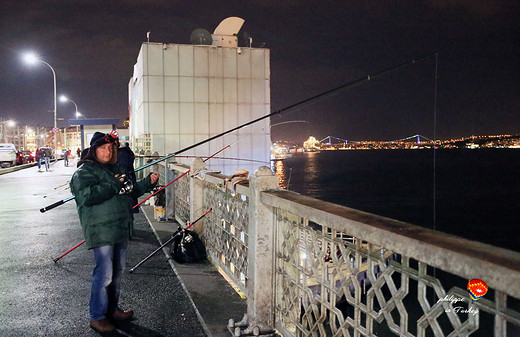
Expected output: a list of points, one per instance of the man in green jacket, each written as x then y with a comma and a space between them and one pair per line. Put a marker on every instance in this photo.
103, 198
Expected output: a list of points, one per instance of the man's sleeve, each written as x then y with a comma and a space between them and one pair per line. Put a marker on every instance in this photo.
89, 190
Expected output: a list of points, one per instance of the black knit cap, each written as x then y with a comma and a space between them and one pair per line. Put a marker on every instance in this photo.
99, 138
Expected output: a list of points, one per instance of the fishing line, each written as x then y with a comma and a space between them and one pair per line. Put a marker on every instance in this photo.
434, 144
289, 180
434, 219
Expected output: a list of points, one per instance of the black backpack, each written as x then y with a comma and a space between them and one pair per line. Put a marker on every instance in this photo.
187, 247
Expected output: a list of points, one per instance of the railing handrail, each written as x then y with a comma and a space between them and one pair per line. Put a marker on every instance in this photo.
499, 267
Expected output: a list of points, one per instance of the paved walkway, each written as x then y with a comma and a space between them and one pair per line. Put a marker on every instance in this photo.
41, 298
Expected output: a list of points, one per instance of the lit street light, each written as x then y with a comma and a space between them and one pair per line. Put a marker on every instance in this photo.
3, 128
32, 59
64, 98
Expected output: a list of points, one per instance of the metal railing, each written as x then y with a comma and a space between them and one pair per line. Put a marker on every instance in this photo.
313, 268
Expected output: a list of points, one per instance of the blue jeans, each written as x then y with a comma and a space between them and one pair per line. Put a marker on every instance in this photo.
47, 161
106, 280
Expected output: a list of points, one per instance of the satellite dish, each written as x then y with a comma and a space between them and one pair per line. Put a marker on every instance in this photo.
201, 36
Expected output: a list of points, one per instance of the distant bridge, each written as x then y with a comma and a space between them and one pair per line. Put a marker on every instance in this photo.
418, 139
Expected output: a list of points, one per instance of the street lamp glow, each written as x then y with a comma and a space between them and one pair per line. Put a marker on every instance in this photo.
31, 58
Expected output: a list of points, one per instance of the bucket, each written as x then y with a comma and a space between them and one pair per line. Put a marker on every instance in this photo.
159, 213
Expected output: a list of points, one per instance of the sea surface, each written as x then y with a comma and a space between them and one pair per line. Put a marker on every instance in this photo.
472, 193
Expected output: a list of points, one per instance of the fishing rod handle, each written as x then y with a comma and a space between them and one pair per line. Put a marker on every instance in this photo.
56, 204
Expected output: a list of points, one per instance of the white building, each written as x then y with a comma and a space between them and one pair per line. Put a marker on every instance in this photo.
183, 94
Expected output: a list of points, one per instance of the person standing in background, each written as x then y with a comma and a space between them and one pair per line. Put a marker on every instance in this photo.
39, 158
47, 157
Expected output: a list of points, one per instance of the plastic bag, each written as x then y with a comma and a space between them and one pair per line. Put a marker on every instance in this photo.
187, 247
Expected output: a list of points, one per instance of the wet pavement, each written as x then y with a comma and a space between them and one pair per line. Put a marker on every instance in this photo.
39, 297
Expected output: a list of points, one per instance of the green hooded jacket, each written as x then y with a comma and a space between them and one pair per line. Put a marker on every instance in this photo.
105, 215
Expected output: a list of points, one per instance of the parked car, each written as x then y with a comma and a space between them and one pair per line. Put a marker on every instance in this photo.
24, 157
7, 154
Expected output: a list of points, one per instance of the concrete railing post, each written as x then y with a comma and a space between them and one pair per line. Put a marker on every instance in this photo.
196, 195
261, 251
169, 175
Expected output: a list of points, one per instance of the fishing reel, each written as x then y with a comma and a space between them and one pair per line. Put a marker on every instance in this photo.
157, 188
128, 185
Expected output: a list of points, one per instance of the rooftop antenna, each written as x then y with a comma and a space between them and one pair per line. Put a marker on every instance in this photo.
200, 36
148, 36
248, 39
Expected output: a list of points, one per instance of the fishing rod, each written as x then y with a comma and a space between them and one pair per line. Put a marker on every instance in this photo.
315, 97
321, 95
182, 175
58, 191
59, 186
159, 190
225, 158
181, 230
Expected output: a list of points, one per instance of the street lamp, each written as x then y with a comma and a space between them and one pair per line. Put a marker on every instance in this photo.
32, 59
3, 128
64, 98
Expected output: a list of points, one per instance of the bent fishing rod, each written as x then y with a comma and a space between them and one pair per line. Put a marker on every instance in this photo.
277, 112
156, 192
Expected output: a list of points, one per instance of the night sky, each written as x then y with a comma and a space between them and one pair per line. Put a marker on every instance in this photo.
315, 46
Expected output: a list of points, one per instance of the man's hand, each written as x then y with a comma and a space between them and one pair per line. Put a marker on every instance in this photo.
154, 177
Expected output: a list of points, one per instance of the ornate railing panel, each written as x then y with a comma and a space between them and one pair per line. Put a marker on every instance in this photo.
227, 227
181, 195
332, 282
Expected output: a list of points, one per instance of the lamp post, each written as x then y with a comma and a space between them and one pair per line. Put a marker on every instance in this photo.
32, 59
64, 98
3, 129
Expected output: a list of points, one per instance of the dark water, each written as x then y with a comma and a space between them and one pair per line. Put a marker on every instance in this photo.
469, 193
